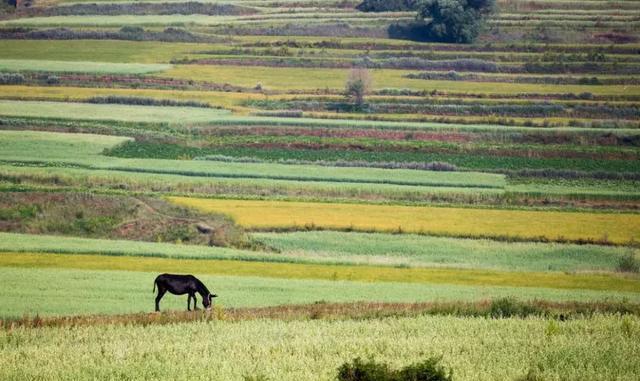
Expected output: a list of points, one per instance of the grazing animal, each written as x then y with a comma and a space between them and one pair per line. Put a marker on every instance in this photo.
180, 285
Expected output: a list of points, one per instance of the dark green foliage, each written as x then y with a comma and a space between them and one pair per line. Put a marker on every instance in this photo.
428, 370
11, 78
115, 99
552, 167
140, 8
360, 370
387, 5
455, 20
19, 212
510, 307
628, 263
132, 33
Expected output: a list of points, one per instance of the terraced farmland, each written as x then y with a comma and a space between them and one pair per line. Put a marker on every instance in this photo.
351, 178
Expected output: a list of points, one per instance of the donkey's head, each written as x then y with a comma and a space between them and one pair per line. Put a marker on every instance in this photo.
207, 301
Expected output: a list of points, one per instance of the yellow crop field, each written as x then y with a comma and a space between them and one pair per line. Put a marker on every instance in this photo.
295, 78
63, 93
553, 225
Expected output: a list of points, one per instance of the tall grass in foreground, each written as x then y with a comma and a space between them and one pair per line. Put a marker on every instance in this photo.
476, 348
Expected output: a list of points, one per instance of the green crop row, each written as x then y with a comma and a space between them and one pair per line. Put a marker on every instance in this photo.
351, 248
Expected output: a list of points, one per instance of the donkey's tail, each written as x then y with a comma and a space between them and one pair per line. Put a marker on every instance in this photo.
154, 285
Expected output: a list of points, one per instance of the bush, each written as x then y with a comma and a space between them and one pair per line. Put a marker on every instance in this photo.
387, 6
628, 263
142, 101
428, 370
358, 85
508, 307
361, 370
11, 79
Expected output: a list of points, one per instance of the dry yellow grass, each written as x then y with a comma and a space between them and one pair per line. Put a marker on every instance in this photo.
553, 225
215, 98
296, 78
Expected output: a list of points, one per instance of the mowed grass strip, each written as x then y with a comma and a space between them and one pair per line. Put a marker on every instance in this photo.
80, 67
617, 228
600, 282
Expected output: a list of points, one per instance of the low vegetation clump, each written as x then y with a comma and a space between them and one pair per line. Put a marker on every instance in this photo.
629, 263
370, 370
141, 101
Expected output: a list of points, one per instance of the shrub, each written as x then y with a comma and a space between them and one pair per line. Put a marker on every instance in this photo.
11, 78
52, 80
387, 6
142, 101
508, 307
258, 377
428, 370
628, 263
358, 85
360, 370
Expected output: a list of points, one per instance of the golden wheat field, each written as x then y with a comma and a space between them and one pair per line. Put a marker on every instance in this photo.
552, 225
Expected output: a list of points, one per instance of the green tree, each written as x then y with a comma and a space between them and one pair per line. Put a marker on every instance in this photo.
455, 20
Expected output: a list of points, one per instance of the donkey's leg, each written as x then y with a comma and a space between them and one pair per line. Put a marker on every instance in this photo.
161, 292
195, 302
189, 302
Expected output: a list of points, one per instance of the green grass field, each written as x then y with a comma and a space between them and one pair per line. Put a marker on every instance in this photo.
80, 67
414, 250
351, 248
83, 292
128, 113
18, 146
141, 52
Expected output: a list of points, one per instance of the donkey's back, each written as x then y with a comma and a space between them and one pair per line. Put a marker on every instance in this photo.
176, 284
